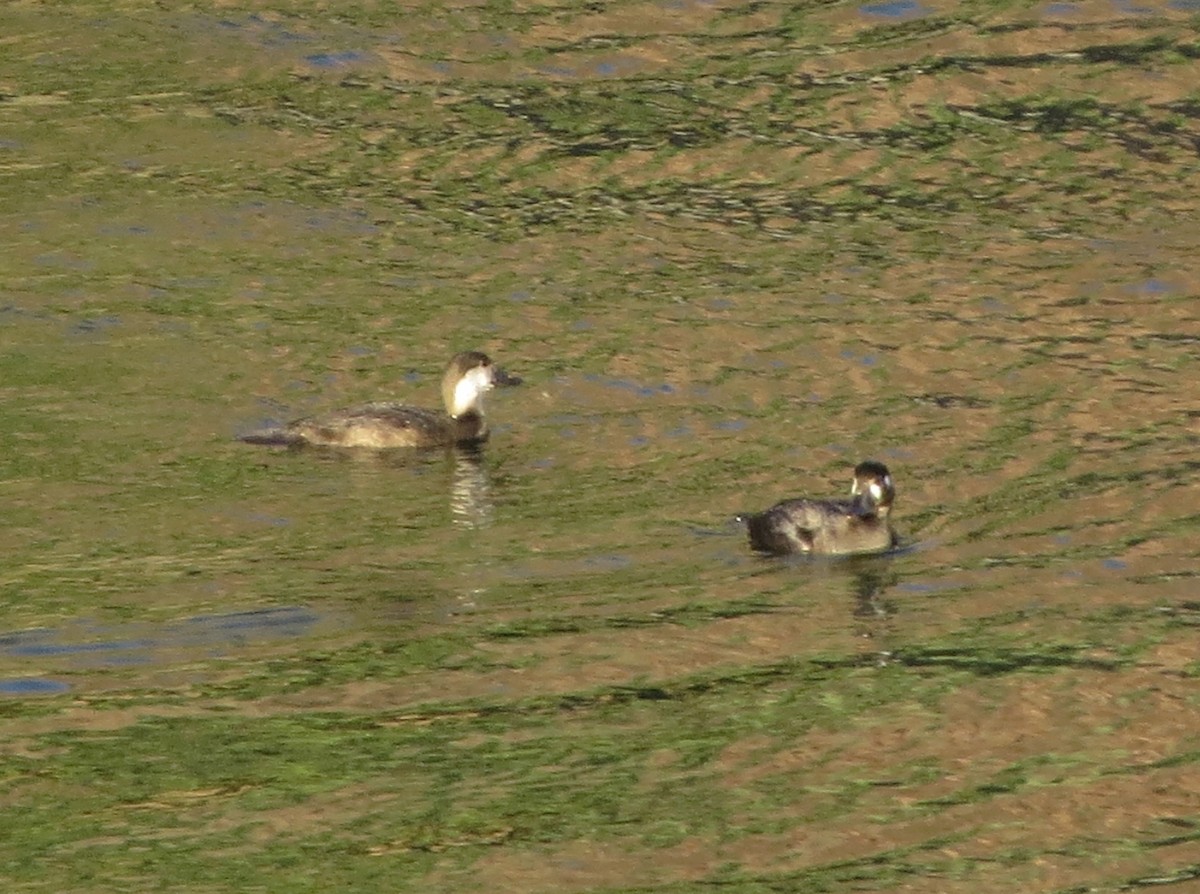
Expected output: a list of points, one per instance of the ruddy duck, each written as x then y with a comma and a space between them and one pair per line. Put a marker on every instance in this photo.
830, 527
385, 424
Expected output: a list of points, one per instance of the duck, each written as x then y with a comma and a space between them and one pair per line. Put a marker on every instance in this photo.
384, 425
830, 527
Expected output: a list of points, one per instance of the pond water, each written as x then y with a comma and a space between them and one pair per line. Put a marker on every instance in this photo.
732, 250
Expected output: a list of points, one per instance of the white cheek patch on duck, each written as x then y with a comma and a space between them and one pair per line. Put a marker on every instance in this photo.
469, 390
876, 491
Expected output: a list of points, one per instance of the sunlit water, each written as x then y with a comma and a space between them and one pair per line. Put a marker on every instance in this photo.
716, 299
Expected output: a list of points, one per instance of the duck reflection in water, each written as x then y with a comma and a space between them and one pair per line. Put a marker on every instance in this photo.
470, 491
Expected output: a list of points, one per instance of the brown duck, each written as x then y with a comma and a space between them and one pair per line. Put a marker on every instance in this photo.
383, 425
830, 527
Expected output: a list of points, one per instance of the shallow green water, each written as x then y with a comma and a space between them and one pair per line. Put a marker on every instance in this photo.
732, 251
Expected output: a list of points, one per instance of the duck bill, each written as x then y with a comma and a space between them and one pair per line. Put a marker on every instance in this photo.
502, 378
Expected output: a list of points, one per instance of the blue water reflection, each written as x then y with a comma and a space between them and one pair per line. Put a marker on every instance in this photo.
32, 686
86, 645
897, 9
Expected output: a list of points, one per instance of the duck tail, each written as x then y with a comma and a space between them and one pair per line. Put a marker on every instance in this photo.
759, 531
272, 437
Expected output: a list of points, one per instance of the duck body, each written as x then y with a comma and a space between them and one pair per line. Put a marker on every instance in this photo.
830, 527
384, 425
381, 425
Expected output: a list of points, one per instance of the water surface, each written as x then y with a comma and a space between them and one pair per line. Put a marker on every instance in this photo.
732, 250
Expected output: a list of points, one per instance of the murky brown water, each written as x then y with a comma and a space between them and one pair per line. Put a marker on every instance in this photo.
732, 251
